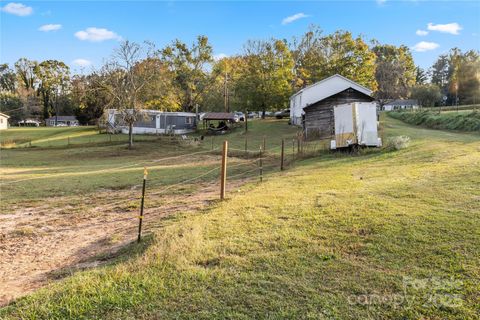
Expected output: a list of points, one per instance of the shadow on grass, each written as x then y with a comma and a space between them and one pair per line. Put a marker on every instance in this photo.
110, 255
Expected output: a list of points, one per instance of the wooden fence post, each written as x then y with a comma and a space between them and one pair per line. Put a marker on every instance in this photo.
282, 154
264, 143
140, 217
293, 149
223, 175
261, 165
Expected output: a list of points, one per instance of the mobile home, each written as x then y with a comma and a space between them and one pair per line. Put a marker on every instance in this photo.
155, 122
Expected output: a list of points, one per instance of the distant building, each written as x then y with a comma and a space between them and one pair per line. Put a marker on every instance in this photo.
155, 122
401, 104
29, 123
62, 121
4, 121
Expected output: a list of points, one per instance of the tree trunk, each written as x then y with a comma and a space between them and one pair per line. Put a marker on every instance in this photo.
130, 135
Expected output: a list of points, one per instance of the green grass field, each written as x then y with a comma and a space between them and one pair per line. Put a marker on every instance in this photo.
91, 162
378, 235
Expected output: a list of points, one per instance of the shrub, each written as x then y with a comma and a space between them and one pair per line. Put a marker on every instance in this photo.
398, 143
464, 121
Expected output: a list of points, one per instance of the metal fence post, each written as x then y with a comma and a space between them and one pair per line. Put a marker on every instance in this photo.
140, 217
282, 154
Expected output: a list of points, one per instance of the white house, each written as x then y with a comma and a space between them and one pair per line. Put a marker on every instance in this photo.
401, 104
62, 121
3, 121
319, 91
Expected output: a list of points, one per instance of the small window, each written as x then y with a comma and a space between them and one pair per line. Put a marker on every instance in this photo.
1, 120
188, 120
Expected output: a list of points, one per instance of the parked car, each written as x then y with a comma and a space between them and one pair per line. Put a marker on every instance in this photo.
252, 115
239, 115
282, 114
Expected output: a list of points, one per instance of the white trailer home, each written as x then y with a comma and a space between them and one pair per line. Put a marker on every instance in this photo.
319, 91
155, 122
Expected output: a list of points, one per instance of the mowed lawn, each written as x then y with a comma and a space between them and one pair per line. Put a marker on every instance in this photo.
77, 161
379, 235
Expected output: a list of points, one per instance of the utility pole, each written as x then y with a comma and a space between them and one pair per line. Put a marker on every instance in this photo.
225, 93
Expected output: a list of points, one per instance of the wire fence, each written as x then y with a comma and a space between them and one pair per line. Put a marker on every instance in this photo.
243, 164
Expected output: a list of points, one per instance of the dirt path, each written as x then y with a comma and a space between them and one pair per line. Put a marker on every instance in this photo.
42, 243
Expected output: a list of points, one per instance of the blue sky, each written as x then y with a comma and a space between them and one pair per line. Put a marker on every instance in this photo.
85, 32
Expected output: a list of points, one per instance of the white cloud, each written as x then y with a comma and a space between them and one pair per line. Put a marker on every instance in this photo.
452, 28
381, 2
18, 9
295, 17
96, 34
421, 32
50, 27
82, 62
423, 46
219, 56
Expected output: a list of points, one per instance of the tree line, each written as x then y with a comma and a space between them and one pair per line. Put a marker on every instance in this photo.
182, 77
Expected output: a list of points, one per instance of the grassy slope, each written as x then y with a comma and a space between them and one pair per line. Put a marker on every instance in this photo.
462, 120
302, 243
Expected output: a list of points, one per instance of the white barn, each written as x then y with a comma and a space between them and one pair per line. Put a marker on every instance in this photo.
319, 91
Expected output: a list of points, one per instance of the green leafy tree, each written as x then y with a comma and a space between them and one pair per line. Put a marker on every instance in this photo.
420, 76
265, 81
427, 94
395, 71
8, 79
53, 83
188, 66
159, 92
349, 57
308, 58
224, 92
88, 97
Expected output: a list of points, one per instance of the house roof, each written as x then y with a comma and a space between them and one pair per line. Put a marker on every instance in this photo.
63, 118
328, 90
368, 97
4, 115
403, 102
218, 116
